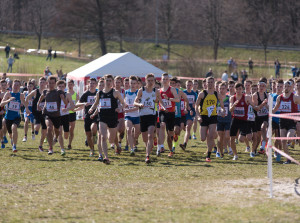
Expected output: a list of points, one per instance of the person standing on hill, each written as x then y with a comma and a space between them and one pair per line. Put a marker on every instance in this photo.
49, 56
277, 68
7, 50
10, 62
250, 63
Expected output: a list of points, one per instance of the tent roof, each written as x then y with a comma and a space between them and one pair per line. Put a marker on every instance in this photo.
122, 64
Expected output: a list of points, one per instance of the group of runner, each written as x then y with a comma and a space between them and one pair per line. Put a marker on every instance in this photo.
114, 107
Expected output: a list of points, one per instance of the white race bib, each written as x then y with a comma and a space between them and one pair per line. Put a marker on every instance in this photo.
191, 99
91, 100
167, 103
14, 106
210, 110
51, 106
182, 105
219, 109
42, 104
105, 103
263, 112
30, 103
285, 106
239, 111
148, 104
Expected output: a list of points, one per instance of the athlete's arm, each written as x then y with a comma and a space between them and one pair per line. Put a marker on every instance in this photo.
118, 96
96, 103
7, 98
31, 95
138, 98
25, 103
176, 97
232, 104
70, 101
297, 99
200, 97
40, 100
158, 97
92, 116
63, 98
277, 105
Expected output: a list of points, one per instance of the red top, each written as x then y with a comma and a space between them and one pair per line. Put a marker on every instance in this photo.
241, 109
287, 105
169, 105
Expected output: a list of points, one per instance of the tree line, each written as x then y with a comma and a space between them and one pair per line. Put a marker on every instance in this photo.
262, 22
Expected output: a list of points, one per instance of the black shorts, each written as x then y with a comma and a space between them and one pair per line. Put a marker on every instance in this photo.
55, 120
177, 121
168, 118
252, 126
241, 125
275, 125
9, 123
146, 121
110, 121
88, 122
223, 126
39, 119
259, 121
287, 124
183, 120
64, 121
72, 117
206, 121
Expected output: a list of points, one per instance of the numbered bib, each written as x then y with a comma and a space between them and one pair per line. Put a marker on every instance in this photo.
148, 104
285, 106
42, 104
167, 103
219, 111
62, 106
91, 100
263, 112
239, 111
30, 103
51, 106
210, 110
182, 105
191, 99
251, 117
14, 106
105, 103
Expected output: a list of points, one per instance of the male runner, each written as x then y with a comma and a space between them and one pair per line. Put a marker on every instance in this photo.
29, 118
195, 123
2, 111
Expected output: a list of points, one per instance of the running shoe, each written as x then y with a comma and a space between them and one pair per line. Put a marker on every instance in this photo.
171, 154
230, 153
106, 161
100, 158
183, 146
222, 156
194, 137
41, 149
126, 148
33, 136
207, 160
275, 154
247, 150
158, 152
235, 157
135, 149
132, 152
215, 149
62, 152
69, 147
278, 158
5, 140
118, 151
147, 160
14, 149
24, 139
162, 150
50, 152
218, 155
86, 143
2, 145
112, 146
54, 140
292, 145
261, 151
252, 154
287, 162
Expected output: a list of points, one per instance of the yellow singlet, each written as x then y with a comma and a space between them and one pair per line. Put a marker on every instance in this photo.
209, 104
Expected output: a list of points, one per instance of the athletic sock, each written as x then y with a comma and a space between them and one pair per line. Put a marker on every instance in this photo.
25, 135
208, 154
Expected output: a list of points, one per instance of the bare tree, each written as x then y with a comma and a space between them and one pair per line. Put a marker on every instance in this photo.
293, 14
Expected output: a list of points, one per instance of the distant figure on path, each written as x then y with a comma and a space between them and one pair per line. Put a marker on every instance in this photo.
250, 63
49, 54
10, 62
7, 50
277, 68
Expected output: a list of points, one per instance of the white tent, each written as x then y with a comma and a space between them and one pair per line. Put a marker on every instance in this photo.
117, 64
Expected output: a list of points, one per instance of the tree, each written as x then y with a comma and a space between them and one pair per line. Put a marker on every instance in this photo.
293, 14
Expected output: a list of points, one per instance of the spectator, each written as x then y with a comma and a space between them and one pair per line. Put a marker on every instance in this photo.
49, 54
235, 76
294, 70
209, 73
230, 64
54, 55
277, 68
4, 76
47, 72
244, 75
10, 62
16, 56
250, 63
7, 50
225, 76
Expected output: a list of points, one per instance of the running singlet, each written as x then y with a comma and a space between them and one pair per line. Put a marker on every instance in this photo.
241, 109
13, 107
177, 107
35, 111
74, 97
148, 100
62, 106
89, 98
53, 101
209, 104
227, 117
108, 103
287, 105
264, 111
129, 99
169, 105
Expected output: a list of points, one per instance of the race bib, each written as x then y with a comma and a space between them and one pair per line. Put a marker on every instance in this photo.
14, 106
105, 103
210, 110
182, 105
263, 112
129, 102
30, 103
51, 106
239, 111
191, 99
42, 104
148, 104
285, 106
251, 117
219, 111
167, 103
91, 100
62, 106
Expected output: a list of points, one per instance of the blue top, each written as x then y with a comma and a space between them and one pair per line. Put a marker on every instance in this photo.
275, 119
177, 107
227, 117
13, 107
192, 98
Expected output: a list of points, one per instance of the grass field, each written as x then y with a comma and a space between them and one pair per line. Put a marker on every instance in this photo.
35, 187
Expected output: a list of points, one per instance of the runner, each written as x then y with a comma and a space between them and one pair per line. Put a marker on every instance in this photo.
192, 98
167, 114
108, 115
287, 103
29, 118
2, 111
13, 101
195, 122
145, 100
90, 125
251, 117
39, 118
72, 114
207, 100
